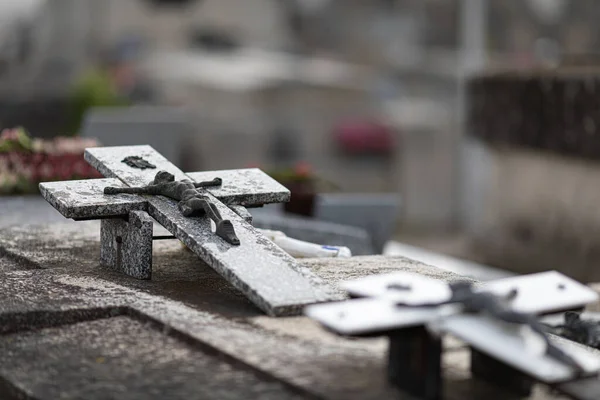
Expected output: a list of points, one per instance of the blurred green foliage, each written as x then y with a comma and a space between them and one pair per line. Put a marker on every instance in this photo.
15, 140
94, 89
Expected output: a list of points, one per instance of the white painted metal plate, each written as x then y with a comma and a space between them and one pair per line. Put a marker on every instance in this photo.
368, 316
400, 287
543, 293
503, 342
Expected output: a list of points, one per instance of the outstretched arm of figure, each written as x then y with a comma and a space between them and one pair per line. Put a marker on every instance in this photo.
551, 349
150, 189
214, 182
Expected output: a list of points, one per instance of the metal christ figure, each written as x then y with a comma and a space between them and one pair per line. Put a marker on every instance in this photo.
499, 307
584, 331
192, 202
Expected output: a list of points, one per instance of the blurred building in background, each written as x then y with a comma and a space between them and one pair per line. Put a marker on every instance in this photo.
370, 93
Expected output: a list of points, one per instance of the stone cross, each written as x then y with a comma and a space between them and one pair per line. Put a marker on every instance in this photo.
264, 273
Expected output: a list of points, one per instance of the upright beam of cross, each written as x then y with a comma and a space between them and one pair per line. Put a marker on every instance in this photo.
264, 273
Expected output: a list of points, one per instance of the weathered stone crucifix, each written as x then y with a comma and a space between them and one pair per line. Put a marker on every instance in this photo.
184, 204
192, 201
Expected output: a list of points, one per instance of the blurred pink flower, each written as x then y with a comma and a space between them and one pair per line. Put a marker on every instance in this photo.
60, 158
303, 169
9, 134
68, 145
80, 168
8, 180
3, 163
46, 171
24, 170
38, 145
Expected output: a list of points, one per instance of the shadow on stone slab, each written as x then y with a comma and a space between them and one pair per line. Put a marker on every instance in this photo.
74, 248
121, 353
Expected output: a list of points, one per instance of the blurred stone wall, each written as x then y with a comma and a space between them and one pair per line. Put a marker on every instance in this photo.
516, 25
539, 195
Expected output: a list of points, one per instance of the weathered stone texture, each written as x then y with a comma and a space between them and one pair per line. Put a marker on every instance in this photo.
71, 328
86, 199
246, 187
289, 287
126, 245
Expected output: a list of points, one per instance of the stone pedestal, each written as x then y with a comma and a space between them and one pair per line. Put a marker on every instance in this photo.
126, 245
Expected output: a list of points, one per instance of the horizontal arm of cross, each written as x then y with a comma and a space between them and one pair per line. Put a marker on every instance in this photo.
87, 199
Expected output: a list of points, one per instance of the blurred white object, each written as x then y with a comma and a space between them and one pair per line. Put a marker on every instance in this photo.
549, 11
300, 249
15, 16
11, 9
459, 266
16, 12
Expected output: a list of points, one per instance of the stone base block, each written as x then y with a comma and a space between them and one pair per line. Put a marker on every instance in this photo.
126, 245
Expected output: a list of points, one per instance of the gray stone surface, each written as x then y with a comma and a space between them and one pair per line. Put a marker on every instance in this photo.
246, 187
70, 328
85, 199
289, 286
107, 349
126, 245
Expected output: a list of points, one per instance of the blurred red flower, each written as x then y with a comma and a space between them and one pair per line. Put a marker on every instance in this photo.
303, 169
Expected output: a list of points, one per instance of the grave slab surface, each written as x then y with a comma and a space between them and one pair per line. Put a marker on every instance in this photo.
121, 358
70, 328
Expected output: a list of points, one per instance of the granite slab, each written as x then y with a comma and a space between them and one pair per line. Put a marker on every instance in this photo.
81, 200
72, 329
174, 370
268, 276
247, 187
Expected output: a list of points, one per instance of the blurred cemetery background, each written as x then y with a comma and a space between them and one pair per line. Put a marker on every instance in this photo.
432, 128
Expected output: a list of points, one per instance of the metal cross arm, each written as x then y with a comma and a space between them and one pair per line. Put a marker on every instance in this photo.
268, 276
499, 321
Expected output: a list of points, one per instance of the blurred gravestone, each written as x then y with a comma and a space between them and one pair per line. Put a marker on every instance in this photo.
284, 146
375, 213
356, 239
163, 128
44, 116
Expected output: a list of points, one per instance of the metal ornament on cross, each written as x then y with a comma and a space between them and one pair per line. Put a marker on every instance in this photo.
142, 186
498, 320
